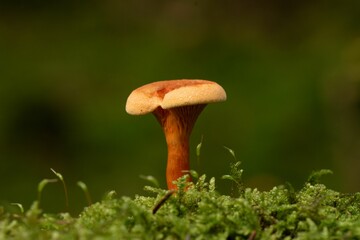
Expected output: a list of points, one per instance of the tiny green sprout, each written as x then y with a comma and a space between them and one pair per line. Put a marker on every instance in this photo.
198, 149
57, 174
291, 193
229, 177
41, 186
182, 184
150, 179
316, 175
232, 152
191, 173
235, 173
212, 184
20, 206
85, 189
34, 212
110, 195
64, 185
194, 174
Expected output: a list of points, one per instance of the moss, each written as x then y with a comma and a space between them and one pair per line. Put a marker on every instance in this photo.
198, 211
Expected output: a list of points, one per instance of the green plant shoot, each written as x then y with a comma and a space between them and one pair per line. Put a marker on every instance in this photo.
64, 185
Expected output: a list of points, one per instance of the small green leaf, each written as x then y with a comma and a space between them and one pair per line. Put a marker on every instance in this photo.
194, 174
85, 189
20, 206
41, 186
57, 174
64, 185
151, 179
82, 185
110, 195
316, 175
228, 177
198, 150
198, 147
44, 182
212, 184
231, 152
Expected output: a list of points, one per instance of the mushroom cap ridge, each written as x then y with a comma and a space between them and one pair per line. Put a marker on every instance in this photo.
173, 93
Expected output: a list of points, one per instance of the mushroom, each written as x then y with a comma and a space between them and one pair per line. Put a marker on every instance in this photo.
176, 105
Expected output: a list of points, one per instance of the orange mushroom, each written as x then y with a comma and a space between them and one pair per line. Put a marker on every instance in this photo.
176, 104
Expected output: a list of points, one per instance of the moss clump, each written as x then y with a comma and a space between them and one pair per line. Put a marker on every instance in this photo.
200, 212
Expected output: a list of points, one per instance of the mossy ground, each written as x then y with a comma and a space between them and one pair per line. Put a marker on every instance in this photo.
198, 211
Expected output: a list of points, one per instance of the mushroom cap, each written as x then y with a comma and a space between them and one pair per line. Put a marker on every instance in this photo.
173, 93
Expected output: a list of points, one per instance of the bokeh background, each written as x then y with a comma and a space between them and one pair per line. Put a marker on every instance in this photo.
291, 70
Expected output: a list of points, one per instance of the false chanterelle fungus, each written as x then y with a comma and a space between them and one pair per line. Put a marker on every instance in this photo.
176, 104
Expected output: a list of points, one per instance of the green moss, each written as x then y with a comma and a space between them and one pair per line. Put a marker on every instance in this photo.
200, 212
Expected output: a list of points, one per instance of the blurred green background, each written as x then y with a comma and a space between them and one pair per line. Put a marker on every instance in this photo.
291, 70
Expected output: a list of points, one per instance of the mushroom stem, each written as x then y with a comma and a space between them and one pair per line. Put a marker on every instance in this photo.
177, 124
